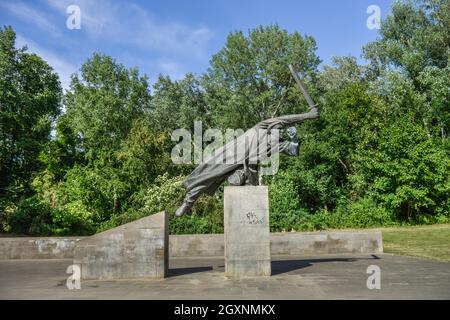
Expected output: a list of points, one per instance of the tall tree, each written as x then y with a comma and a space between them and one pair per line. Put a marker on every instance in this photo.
102, 104
415, 44
177, 104
108, 131
249, 80
30, 96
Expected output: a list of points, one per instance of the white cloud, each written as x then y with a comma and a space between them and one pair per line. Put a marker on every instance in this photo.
27, 13
130, 24
63, 68
171, 68
119, 25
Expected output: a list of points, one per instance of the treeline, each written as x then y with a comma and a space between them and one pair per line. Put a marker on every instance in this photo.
99, 155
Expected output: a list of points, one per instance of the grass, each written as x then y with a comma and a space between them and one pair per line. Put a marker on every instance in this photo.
431, 242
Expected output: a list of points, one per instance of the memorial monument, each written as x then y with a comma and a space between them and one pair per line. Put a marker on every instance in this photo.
238, 160
246, 205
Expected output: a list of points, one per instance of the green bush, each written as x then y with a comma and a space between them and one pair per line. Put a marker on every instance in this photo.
408, 171
194, 224
74, 218
166, 194
31, 216
362, 213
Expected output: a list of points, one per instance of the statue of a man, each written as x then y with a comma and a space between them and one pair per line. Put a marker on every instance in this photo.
238, 160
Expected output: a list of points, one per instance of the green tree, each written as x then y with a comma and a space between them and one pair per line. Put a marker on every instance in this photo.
105, 149
177, 104
320, 176
344, 71
407, 171
102, 105
144, 155
249, 80
30, 96
415, 42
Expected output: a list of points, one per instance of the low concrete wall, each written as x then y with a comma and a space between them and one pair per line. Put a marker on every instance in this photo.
305, 243
196, 245
286, 243
38, 248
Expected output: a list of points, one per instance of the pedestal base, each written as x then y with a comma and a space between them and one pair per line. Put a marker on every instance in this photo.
247, 234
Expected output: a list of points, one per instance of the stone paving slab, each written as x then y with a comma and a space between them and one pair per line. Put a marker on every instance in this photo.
319, 277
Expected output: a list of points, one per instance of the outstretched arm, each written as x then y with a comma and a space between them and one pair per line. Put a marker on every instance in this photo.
297, 118
293, 119
313, 111
290, 120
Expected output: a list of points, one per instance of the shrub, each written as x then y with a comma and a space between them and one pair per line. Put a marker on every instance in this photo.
31, 216
166, 194
74, 218
361, 213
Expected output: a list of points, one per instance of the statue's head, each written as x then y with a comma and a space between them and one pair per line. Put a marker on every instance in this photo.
292, 132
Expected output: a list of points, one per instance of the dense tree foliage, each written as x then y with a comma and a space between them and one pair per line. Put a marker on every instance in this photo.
249, 81
30, 97
379, 154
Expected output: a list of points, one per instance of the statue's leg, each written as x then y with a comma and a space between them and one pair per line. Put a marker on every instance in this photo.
247, 176
237, 178
208, 184
189, 200
252, 175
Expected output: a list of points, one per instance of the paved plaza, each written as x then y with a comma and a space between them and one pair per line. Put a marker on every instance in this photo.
320, 277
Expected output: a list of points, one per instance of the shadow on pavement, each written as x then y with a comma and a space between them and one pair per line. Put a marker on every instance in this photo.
184, 271
284, 266
278, 266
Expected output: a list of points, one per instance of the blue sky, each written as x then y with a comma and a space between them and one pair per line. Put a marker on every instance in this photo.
175, 37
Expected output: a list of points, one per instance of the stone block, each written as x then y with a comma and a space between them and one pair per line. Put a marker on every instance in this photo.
138, 249
247, 234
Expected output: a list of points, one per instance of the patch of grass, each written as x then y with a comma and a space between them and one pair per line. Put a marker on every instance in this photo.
431, 242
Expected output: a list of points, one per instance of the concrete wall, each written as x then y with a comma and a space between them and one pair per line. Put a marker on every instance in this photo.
289, 243
197, 245
135, 250
284, 243
305, 243
38, 248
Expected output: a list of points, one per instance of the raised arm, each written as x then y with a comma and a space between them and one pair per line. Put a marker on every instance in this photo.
297, 118
289, 120
313, 110
293, 119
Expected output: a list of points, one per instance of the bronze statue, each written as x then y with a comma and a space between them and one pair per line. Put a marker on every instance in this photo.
238, 160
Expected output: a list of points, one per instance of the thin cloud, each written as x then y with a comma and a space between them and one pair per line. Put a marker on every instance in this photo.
130, 24
27, 13
63, 68
171, 68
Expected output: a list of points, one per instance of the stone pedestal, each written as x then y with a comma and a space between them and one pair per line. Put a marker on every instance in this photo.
139, 249
247, 234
